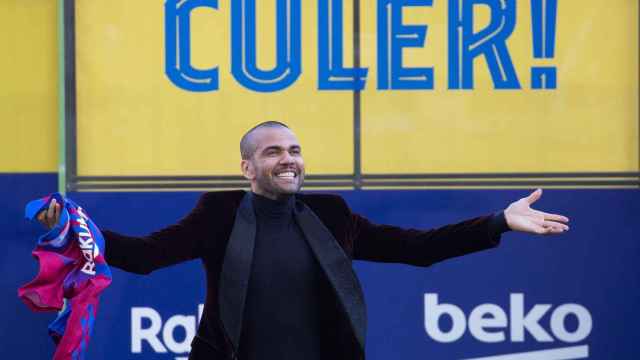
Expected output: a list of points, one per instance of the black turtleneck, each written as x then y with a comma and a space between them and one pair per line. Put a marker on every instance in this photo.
289, 311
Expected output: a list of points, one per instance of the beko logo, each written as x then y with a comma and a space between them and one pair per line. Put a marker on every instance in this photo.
489, 323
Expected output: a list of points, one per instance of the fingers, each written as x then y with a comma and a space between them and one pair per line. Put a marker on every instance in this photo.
50, 216
551, 227
58, 209
555, 225
547, 230
551, 231
554, 217
51, 210
545, 227
534, 196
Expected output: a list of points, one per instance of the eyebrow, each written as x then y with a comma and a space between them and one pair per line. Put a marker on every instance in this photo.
277, 147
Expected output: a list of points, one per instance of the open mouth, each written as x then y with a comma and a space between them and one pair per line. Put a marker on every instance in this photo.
287, 175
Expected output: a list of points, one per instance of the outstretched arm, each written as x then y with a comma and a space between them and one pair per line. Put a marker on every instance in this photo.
385, 243
173, 244
143, 254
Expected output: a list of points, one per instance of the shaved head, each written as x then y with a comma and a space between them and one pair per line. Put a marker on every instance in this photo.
247, 143
272, 160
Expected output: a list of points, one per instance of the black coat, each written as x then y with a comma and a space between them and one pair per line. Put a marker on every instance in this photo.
220, 231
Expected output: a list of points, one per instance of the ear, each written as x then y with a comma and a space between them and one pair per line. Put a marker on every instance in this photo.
248, 170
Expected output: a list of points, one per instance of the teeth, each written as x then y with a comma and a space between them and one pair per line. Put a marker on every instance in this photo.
287, 174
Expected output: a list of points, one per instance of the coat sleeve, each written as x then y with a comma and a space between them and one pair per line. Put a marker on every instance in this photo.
386, 243
170, 245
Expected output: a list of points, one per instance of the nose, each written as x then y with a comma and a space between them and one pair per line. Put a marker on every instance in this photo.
286, 158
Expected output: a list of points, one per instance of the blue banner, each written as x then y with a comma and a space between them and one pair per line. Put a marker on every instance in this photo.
566, 297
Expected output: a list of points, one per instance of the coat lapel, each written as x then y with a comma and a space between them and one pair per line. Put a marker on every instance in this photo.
337, 266
236, 270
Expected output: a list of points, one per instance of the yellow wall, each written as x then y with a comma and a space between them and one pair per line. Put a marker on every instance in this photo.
133, 121
588, 124
28, 94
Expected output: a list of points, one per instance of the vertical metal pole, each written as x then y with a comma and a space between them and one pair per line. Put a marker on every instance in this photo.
62, 161
357, 136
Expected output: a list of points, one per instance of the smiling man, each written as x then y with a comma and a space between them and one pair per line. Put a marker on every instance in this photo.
272, 160
278, 262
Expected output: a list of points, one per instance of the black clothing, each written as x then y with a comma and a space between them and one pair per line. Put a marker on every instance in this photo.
287, 301
221, 231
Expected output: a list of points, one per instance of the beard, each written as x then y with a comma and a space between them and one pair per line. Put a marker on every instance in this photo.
270, 184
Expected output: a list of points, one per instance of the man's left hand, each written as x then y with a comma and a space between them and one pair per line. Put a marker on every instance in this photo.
521, 217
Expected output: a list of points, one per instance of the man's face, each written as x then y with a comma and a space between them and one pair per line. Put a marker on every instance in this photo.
276, 168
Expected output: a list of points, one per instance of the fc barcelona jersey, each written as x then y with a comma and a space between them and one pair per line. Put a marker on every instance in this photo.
72, 275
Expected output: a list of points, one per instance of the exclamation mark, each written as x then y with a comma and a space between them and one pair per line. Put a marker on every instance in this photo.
543, 23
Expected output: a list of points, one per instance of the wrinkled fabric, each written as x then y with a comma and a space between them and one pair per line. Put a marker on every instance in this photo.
220, 229
73, 273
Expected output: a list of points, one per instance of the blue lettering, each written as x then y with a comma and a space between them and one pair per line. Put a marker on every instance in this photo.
393, 36
332, 75
243, 43
465, 45
543, 28
177, 18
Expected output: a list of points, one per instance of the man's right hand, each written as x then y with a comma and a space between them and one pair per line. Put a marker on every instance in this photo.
49, 217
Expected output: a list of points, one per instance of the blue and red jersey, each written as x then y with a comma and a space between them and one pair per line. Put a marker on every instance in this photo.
73, 273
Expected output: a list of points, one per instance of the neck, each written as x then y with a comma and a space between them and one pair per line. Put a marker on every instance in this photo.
272, 195
274, 209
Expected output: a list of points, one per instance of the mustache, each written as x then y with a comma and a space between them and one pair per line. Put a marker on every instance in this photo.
287, 168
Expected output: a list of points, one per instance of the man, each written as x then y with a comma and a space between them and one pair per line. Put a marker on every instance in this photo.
278, 263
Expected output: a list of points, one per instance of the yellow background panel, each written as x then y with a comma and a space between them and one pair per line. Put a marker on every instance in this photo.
589, 123
28, 95
133, 121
